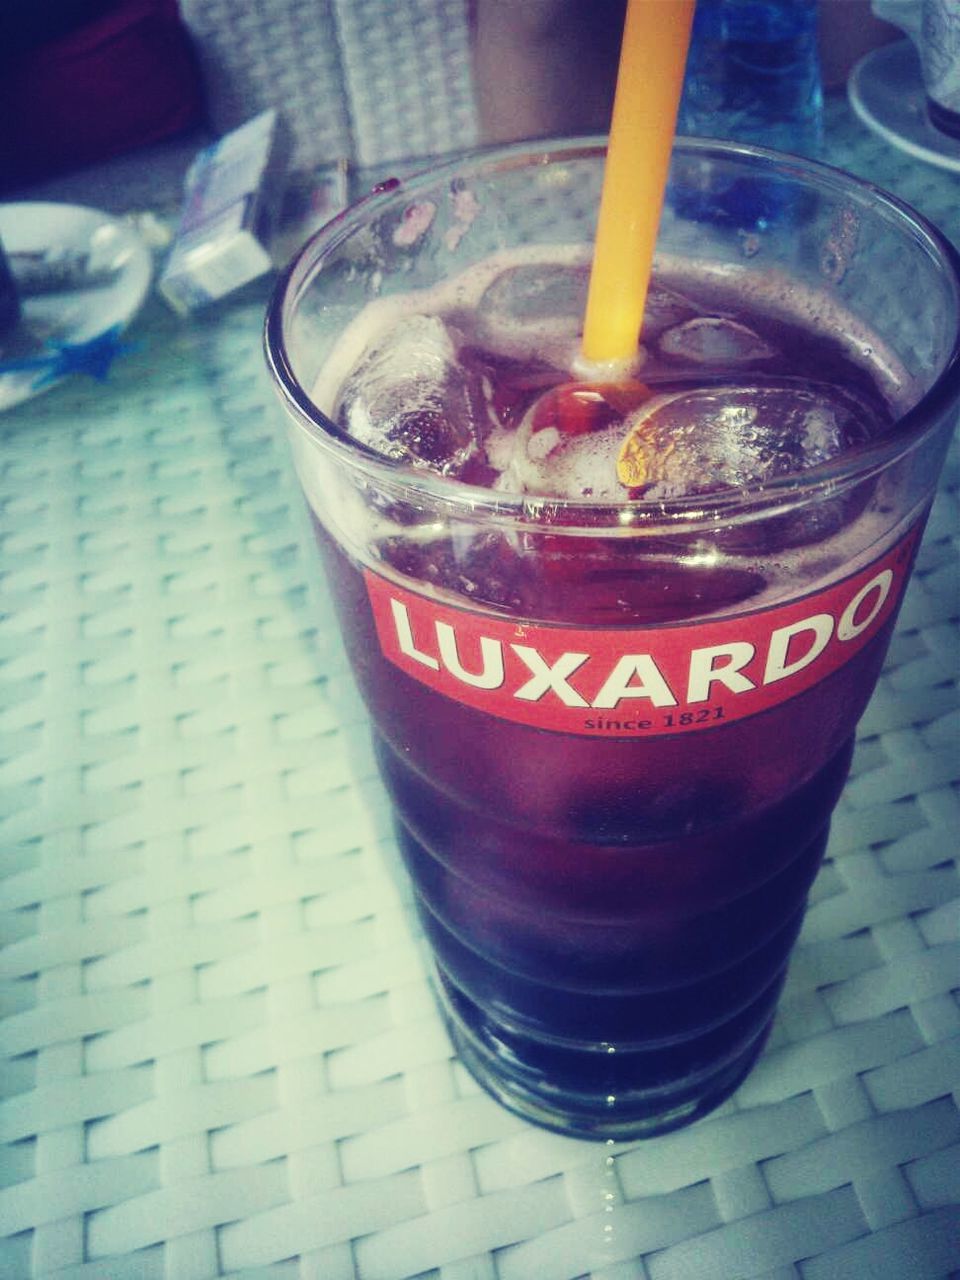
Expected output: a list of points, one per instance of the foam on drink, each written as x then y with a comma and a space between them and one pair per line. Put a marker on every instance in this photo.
475, 371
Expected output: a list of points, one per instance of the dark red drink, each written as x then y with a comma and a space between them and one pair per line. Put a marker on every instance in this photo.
615, 638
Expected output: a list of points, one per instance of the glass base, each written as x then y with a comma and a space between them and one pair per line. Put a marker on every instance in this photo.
626, 1115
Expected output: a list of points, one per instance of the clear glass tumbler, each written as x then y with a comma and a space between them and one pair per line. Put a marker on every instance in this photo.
613, 732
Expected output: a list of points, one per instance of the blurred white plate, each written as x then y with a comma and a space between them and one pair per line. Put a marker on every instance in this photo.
73, 317
886, 92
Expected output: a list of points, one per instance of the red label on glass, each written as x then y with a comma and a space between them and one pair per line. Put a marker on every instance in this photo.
629, 682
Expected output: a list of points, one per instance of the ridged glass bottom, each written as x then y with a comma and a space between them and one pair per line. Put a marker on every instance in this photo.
609, 991
621, 1114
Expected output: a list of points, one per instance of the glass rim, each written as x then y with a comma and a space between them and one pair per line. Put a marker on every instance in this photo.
399, 478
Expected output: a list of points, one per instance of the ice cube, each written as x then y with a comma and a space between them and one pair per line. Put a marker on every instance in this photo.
664, 309
538, 309
535, 309
716, 340
696, 441
411, 399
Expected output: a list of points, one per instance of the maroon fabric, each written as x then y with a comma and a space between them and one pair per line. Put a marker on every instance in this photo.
126, 78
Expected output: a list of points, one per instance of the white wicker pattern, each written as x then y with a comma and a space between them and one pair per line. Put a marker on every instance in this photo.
219, 1055
367, 79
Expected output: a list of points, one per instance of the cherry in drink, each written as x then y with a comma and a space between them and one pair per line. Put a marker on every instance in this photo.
614, 636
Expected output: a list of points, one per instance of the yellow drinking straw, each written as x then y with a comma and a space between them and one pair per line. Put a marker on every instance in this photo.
656, 36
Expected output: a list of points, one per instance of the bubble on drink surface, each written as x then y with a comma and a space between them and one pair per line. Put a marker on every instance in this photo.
412, 400
714, 340
701, 440
567, 443
543, 460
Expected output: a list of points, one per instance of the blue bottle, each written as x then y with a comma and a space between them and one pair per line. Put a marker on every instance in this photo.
753, 74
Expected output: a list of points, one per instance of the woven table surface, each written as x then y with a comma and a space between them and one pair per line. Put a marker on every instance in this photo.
219, 1054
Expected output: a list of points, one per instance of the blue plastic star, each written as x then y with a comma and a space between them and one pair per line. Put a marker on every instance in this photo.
93, 358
